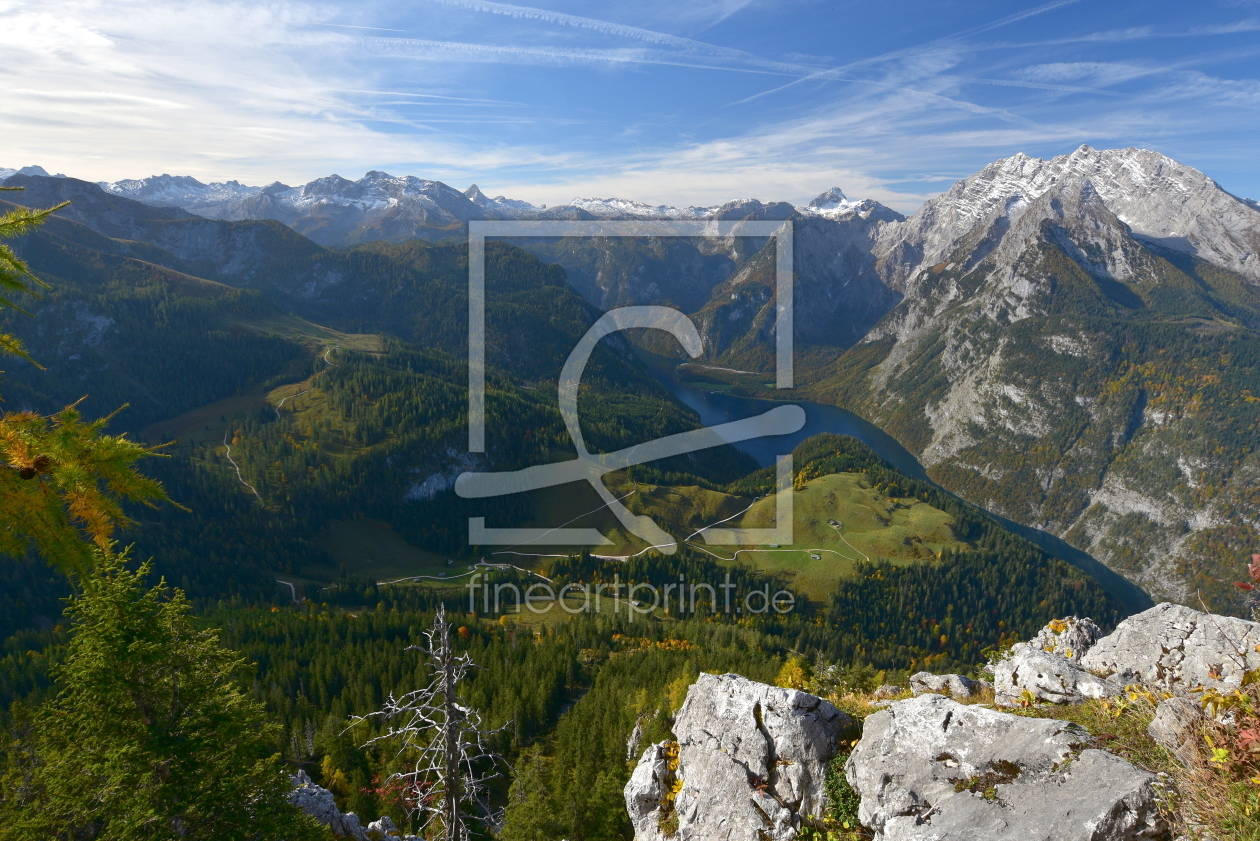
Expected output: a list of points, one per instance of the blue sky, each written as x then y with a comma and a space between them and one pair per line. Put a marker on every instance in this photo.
672, 102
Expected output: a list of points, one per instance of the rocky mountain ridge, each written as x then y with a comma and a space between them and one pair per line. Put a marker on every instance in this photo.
1063, 357
1162, 201
337, 211
5, 172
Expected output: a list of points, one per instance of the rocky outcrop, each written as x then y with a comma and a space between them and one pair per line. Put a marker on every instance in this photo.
386, 830
1070, 638
748, 765
931, 768
635, 740
319, 803
1031, 674
650, 794
955, 686
1176, 648
887, 691
1170, 647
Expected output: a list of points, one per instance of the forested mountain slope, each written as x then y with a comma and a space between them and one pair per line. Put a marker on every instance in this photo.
572, 689
351, 424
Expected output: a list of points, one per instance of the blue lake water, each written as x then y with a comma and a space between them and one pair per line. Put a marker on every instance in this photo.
716, 407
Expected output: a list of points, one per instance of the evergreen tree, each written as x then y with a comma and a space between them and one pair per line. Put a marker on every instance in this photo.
149, 737
530, 814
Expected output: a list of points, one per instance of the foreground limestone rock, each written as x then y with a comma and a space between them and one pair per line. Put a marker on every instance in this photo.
651, 787
748, 765
1069, 638
1029, 673
1176, 648
930, 768
1177, 726
955, 686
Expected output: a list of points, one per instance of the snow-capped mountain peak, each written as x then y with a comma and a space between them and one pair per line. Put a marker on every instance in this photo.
477, 197
1161, 200
178, 191
829, 200
500, 203
834, 204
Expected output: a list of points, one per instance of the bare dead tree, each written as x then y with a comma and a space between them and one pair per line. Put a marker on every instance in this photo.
448, 751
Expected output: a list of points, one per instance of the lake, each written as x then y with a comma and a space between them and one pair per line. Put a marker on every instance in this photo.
718, 407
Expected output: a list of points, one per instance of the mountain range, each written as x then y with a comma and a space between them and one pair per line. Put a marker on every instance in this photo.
1070, 342
338, 212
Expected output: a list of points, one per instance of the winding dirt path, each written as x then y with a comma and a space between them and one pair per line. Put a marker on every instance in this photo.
237, 467
292, 589
477, 567
290, 397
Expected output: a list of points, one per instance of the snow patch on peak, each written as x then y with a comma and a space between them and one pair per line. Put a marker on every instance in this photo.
500, 203
834, 197
177, 190
613, 207
834, 204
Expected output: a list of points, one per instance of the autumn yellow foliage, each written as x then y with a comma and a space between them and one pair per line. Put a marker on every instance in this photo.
63, 483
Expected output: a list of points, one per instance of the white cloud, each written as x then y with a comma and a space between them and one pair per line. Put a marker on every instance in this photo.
1097, 73
293, 90
113, 89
